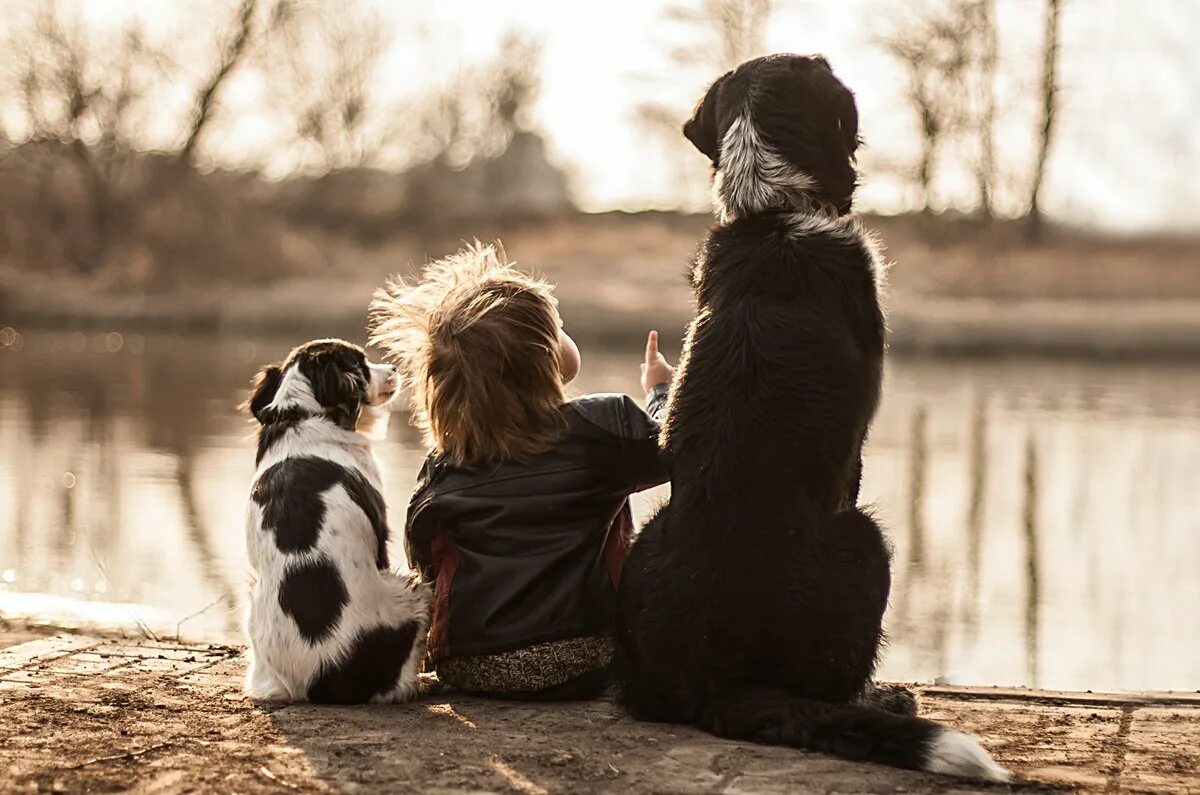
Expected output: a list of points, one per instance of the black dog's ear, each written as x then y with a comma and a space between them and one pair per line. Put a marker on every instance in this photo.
262, 393
845, 111
702, 129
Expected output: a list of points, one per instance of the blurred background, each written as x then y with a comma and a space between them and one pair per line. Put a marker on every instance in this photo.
187, 190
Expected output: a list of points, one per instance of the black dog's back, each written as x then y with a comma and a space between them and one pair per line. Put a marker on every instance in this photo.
782, 364
750, 562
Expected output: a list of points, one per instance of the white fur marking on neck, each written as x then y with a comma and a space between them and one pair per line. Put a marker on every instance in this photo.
752, 177
373, 422
815, 224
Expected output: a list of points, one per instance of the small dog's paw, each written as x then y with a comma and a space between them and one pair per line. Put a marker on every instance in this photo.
430, 685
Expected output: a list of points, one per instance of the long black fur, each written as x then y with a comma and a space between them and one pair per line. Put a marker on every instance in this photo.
751, 605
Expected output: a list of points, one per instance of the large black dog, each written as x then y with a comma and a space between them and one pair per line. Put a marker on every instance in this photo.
751, 605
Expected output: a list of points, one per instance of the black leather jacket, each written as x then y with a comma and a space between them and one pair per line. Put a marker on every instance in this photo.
529, 553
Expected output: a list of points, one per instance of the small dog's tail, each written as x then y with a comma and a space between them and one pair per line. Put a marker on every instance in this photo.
853, 732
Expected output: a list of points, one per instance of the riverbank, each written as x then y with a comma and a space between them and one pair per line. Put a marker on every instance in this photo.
956, 288
917, 325
104, 715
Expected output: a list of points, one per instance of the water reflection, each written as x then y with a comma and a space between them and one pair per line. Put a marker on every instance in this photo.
977, 484
919, 454
1044, 515
1046, 522
1032, 569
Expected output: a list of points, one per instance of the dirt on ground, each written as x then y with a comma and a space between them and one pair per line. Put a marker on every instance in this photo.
82, 714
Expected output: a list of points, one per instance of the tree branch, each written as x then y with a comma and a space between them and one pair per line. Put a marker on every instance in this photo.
232, 53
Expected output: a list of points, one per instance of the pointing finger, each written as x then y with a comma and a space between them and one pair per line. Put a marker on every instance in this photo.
652, 347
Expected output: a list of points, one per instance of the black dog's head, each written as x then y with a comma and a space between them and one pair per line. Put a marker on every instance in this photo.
781, 132
328, 377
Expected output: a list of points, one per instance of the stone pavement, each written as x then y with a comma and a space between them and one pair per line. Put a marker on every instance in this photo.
80, 713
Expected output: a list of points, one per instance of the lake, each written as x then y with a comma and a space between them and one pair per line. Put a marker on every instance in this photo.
1045, 514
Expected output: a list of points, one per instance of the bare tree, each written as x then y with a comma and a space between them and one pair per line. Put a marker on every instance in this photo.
1049, 106
985, 170
739, 27
722, 34
84, 95
320, 62
99, 148
80, 99
514, 89
935, 49
477, 115
230, 52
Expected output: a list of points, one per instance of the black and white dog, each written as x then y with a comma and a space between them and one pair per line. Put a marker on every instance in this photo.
327, 620
751, 605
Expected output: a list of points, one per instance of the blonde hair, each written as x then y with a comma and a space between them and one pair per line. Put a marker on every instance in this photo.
478, 345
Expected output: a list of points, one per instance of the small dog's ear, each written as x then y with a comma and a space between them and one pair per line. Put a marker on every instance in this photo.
701, 129
350, 409
262, 393
339, 392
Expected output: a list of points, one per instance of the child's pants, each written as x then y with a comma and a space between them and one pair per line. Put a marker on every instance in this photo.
560, 670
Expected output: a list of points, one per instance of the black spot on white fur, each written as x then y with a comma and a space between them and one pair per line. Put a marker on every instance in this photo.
291, 496
371, 668
313, 595
371, 503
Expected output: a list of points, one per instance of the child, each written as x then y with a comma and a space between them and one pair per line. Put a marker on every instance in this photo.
520, 520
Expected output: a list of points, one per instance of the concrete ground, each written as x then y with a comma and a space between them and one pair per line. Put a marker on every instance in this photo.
87, 714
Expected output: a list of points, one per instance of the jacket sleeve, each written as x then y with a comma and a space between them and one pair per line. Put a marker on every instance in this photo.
642, 462
419, 526
656, 402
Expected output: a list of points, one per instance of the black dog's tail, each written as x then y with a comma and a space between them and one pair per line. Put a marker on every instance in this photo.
853, 732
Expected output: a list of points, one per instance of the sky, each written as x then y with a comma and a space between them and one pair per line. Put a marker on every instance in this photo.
1126, 157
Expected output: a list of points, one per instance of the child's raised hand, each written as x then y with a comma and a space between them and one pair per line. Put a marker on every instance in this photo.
655, 369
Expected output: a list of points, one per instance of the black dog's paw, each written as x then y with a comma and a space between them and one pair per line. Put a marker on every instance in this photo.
896, 699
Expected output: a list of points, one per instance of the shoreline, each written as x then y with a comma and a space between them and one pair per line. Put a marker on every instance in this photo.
947, 327
955, 288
